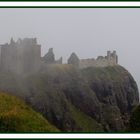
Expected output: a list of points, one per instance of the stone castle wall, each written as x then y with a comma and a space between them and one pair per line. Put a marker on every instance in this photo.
24, 56
110, 60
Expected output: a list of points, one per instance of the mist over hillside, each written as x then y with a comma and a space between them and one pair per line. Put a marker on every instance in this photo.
88, 32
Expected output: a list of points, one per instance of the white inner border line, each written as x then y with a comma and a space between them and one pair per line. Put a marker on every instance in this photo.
71, 136
69, 4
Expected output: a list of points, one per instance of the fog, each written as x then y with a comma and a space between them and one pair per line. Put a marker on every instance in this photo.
88, 32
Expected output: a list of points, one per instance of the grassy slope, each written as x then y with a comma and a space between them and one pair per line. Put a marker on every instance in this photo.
15, 116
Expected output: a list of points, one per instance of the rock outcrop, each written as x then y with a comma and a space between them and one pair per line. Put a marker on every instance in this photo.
91, 99
117, 92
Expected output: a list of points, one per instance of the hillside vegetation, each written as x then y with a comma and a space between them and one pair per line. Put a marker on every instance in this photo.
134, 123
15, 116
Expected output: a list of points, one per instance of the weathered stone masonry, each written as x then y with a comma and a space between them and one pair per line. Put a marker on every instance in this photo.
23, 56
110, 60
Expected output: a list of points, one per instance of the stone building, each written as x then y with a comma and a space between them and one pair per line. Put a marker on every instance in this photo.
110, 60
23, 56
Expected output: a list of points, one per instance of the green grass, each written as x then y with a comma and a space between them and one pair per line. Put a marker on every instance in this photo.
15, 116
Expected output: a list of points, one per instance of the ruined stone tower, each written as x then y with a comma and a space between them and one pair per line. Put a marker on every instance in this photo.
23, 56
74, 60
49, 58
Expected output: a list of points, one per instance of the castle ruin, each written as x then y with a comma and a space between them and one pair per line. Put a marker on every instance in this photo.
24, 57
110, 60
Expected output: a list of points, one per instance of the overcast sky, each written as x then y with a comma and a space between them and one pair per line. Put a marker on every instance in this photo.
88, 32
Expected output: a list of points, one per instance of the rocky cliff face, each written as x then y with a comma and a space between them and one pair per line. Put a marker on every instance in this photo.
92, 99
117, 92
